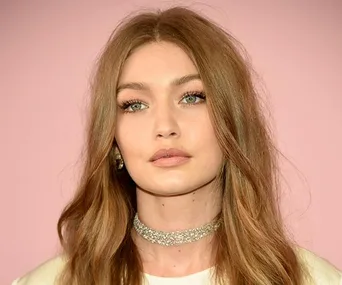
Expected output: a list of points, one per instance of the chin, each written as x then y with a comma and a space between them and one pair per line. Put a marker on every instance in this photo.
170, 193
172, 188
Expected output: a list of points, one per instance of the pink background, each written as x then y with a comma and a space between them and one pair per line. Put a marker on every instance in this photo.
46, 54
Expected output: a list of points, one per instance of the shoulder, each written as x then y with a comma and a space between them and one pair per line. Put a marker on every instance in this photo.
44, 274
319, 269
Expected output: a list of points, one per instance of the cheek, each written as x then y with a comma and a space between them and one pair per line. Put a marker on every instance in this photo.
131, 136
202, 130
208, 143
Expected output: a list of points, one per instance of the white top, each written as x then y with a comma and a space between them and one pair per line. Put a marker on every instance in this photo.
199, 278
321, 271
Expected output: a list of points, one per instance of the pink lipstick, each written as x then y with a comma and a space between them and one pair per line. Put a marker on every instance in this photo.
169, 157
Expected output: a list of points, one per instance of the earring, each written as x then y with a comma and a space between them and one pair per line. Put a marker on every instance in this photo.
118, 159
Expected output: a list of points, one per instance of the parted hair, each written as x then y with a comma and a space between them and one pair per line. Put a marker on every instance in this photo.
95, 227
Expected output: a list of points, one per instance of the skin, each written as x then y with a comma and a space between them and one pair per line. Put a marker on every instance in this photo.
171, 198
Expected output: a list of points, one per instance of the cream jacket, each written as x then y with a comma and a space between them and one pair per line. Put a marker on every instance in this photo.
321, 271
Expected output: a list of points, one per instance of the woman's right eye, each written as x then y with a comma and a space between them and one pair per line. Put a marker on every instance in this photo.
132, 106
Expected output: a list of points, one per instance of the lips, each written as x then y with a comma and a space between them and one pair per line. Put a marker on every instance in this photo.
169, 153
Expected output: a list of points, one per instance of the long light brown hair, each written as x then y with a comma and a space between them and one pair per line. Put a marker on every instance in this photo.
95, 228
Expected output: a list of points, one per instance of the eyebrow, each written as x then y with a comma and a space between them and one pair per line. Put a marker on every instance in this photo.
141, 86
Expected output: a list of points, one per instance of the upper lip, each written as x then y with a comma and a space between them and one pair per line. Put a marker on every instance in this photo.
168, 153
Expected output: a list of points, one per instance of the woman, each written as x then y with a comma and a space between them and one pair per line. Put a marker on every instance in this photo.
180, 180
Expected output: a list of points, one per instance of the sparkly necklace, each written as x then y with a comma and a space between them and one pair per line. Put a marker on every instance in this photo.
177, 237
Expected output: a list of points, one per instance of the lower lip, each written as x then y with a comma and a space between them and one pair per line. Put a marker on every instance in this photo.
171, 161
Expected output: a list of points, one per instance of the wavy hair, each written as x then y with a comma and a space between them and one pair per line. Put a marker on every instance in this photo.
95, 227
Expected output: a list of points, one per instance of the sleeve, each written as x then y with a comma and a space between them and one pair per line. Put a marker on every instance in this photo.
44, 274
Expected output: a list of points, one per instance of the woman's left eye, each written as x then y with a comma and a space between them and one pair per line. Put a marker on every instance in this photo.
193, 98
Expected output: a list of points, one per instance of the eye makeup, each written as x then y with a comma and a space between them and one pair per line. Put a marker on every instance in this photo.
137, 105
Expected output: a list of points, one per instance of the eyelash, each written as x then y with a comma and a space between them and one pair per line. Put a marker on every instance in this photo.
126, 104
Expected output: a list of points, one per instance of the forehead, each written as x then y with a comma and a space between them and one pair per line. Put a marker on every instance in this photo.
157, 62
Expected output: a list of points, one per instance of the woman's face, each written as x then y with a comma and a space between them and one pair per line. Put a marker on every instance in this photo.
163, 129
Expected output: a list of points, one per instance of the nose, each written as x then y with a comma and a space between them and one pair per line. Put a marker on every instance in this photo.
166, 123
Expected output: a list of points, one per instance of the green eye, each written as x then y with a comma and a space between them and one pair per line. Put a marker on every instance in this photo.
193, 98
136, 106
132, 106
190, 99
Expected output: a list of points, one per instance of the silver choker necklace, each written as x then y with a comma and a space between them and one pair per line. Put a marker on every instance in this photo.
177, 237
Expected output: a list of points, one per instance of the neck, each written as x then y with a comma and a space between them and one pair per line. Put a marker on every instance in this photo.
177, 213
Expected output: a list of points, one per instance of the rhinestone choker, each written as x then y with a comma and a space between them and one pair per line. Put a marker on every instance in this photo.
177, 237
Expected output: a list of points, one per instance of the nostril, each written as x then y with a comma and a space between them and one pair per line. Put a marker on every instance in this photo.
166, 134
